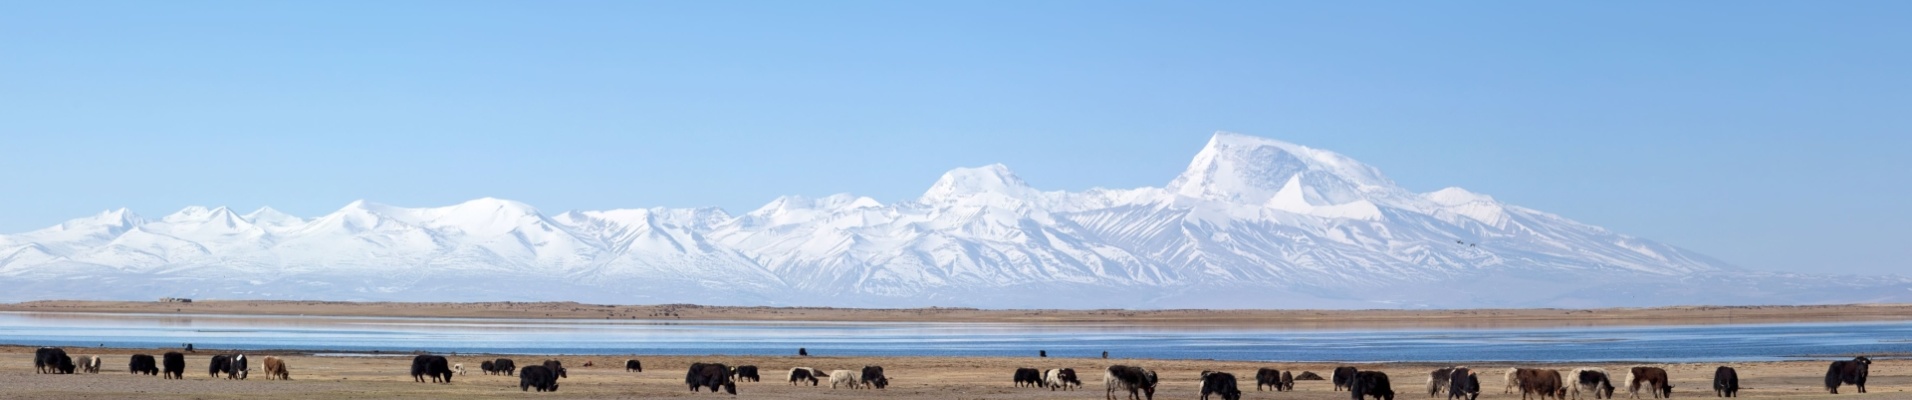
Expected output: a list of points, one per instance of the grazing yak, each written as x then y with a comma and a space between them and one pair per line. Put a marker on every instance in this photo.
557, 368
873, 377
1725, 382
537, 377
220, 364
743, 372
505, 366
1342, 377
1064, 379
1592, 380
1028, 377
52, 360
1268, 377
175, 365
846, 377
488, 367
1653, 378
1463, 384
1139, 382
1438, 379
633, 365
712, 376
143, 364
237, 369
1288, 381
1543, 383
90, 364
458, 369
1221, 383
1848, 372
435, 367
1370, 384
1309, 376
275, 368
800, 374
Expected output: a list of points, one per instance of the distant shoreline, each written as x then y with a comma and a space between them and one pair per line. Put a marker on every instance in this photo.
1300, 319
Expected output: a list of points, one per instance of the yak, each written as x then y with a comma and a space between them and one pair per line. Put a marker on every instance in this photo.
1462, 384
537, 377
1030, 377
1064, 379
1653, 378
743, 372
1849, 372
712, 376
1370, 384
143, 364
435, 367
175, 365
1343, 377
1138, 381
872, 376
1725, 382
1221, 383
800, 374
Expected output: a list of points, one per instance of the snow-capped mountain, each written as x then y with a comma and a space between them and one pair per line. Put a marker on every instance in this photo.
1252, 222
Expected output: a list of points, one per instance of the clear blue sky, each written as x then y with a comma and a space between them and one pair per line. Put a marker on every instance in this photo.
1768, 134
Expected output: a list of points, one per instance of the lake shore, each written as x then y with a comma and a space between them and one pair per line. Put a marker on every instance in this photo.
385, 376
1301, 319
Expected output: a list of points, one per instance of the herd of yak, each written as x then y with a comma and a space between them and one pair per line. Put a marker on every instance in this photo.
437, 369
1138, 382
1462, 383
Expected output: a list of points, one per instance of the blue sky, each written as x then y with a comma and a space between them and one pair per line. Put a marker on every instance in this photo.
1767, 134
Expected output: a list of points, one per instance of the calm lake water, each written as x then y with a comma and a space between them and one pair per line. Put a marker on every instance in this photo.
511, 336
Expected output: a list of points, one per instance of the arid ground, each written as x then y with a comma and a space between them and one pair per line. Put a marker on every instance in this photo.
335, 377
324, 376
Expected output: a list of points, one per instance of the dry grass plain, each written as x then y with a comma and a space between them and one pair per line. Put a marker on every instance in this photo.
332, 377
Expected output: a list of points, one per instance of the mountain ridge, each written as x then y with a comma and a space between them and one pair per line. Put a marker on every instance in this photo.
1250, 219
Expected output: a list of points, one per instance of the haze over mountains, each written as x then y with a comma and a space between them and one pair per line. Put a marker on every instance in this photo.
1252, 223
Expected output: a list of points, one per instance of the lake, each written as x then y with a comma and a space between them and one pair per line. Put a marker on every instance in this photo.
1760, 342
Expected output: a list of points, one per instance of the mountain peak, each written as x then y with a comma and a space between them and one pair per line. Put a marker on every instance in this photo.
267, 216
964, 182
197, 213
121, 214
495, 204
112, 220
1245, 169
1452, 196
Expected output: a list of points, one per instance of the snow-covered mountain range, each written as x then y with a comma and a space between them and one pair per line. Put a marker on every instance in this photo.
1252, 223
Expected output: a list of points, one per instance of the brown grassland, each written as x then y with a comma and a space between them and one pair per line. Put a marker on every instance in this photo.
329, 377
362, 377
